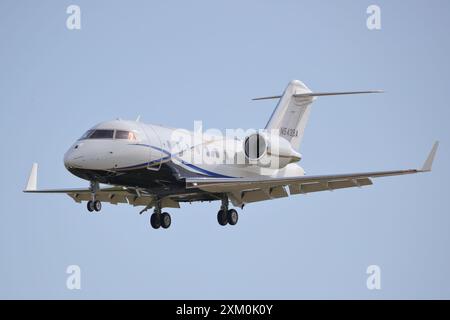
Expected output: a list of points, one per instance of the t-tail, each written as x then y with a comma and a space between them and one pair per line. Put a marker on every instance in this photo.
292, 111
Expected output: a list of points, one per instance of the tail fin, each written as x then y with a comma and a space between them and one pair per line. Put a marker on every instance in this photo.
292, 111
291, 114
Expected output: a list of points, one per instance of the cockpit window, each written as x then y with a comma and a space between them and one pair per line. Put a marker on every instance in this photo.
86, 135
128, 135
102, 134
98, 134
108, 134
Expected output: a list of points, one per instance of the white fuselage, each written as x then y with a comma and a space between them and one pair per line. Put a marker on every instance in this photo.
121, 146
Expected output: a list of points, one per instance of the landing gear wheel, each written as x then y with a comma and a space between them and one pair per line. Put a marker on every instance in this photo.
90, 206
97, 205
155, 220
165, 220
232, 217
222, 217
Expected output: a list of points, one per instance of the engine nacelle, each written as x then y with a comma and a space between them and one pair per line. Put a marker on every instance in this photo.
271, 151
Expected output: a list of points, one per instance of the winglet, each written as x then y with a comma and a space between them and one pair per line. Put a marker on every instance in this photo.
429, 162
32, 180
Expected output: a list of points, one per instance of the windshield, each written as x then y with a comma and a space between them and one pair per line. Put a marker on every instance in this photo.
108, 134
128, 135
86, 135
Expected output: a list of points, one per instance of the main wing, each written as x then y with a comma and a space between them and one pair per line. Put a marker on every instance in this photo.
245, 190
113, 195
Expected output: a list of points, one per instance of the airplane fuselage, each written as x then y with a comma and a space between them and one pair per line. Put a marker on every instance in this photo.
134, 154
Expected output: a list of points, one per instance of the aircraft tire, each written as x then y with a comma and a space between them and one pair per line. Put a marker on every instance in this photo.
232, 217
90, 206
97, 205
222, 217
155, 221
166, 220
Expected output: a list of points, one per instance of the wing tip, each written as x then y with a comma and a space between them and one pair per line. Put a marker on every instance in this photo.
32, 179
428, 164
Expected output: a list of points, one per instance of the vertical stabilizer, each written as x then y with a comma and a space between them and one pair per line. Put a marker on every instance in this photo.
292, 112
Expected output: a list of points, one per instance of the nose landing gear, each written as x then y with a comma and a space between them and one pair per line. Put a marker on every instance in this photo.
94, 205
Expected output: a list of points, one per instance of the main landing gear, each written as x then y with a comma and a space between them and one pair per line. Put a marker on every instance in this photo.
158, 219
227, 216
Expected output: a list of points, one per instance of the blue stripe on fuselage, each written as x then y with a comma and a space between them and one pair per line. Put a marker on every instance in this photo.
168, 157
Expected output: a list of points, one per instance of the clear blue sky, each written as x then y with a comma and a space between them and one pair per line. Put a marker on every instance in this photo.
176, 62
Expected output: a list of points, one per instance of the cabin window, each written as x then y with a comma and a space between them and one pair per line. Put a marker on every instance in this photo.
127, 135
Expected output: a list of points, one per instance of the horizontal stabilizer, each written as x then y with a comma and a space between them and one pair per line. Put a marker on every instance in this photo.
321, 94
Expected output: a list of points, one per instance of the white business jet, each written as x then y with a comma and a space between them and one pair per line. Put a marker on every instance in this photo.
158, 167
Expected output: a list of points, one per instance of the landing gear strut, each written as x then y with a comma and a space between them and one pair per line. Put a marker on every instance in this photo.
227, 216
158, 219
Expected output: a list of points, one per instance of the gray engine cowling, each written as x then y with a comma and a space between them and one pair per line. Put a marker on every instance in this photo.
269, 150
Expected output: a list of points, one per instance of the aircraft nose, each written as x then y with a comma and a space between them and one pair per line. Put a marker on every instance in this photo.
73, 158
